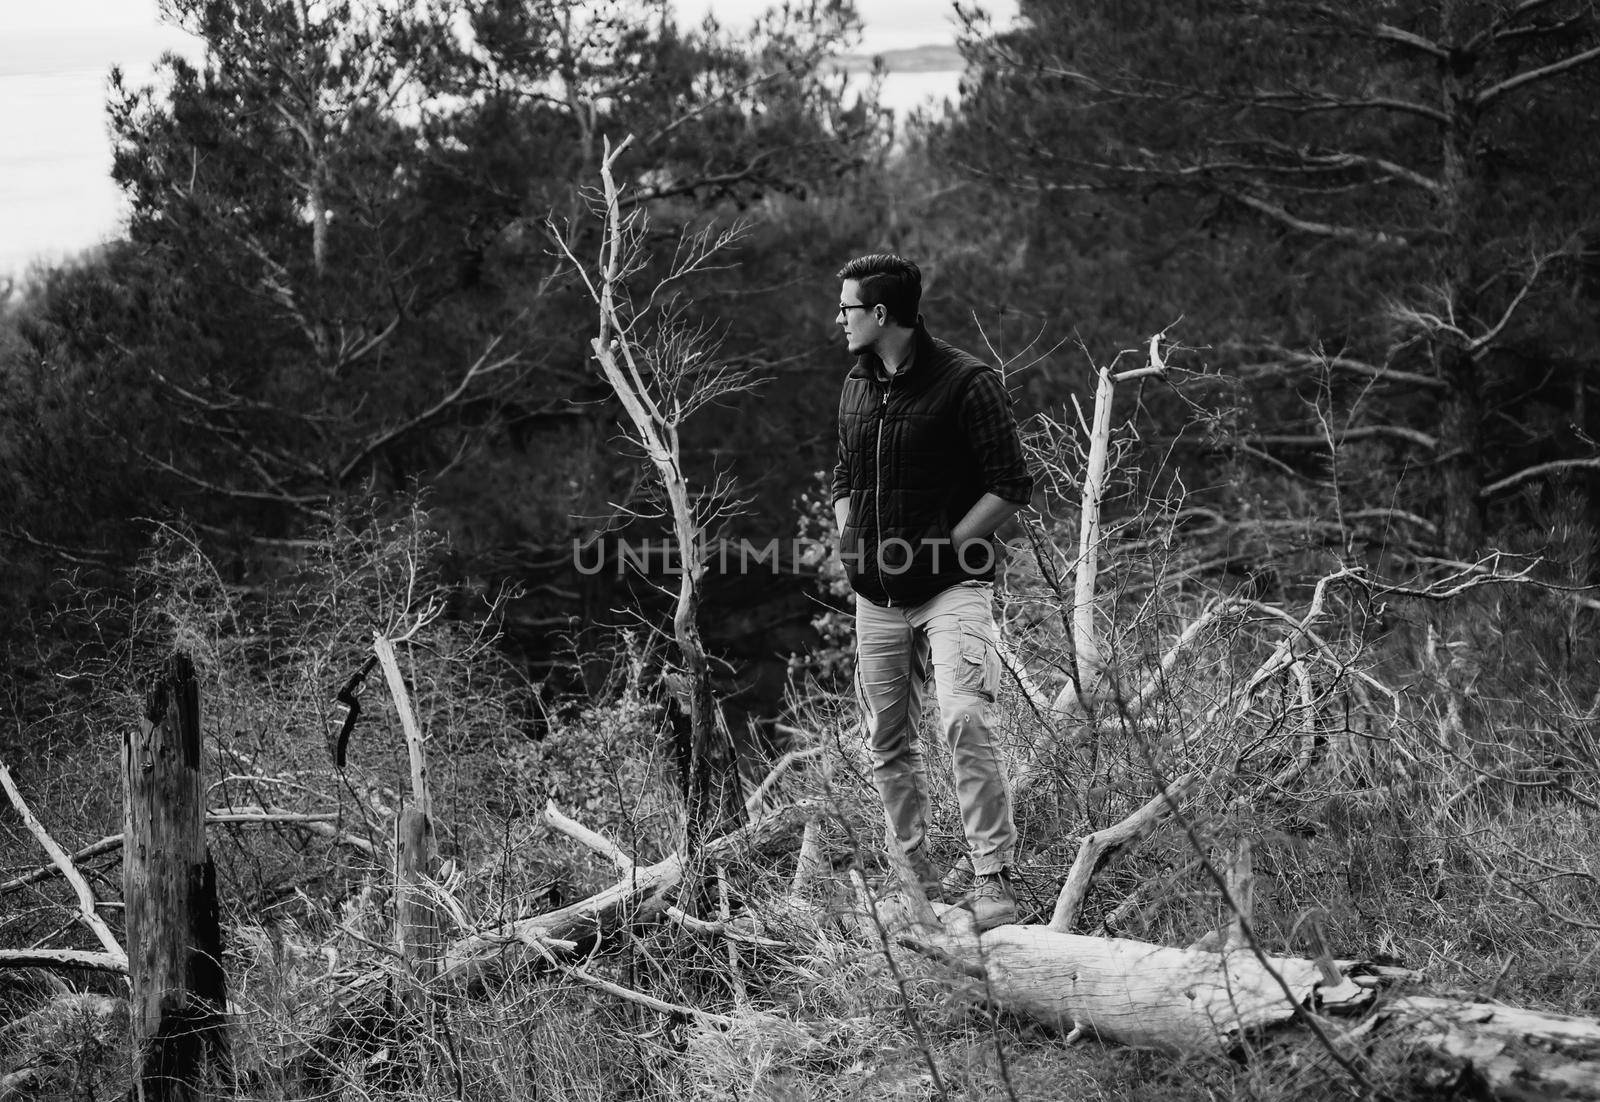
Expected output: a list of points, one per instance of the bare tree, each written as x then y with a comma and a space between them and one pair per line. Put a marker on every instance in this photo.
662, 372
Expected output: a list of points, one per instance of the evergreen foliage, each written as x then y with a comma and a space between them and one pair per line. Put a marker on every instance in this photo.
1353, 206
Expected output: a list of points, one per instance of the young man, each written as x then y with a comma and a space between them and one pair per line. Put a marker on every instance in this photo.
929, 466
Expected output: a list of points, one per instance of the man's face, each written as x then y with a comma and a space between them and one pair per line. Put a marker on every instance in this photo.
862, 324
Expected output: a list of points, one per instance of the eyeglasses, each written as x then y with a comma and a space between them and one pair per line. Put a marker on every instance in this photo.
846, 307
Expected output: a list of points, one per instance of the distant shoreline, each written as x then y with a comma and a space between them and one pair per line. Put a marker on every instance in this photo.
914, 59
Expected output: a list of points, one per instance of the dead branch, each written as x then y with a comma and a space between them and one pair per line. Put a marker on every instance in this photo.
87, 904
1318, 229
758, 798
1138, 898
1543, 72
318, 823
589, 838
44, 872
1035, 695
1186, 639
608, 849
1349, 364
408, 722
1096, 846
1241, 889
1081, 694
1090, 664
638, 897
723, 928
808, 864
64, 960
1539, 470
479, 368
639, 997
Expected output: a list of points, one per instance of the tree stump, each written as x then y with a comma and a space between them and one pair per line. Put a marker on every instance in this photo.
170, 892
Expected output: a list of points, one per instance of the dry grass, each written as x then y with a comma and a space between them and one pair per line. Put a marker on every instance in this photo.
1450, 827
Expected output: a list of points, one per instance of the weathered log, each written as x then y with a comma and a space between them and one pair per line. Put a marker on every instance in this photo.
1135, 993
1507, 1051
1177, 1000
170, 894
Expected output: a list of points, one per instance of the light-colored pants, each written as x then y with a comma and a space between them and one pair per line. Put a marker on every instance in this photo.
954, 632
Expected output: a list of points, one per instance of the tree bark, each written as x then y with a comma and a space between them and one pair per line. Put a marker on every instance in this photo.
170, 892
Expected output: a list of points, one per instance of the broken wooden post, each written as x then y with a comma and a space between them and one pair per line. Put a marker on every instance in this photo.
416, 919
416, 848
170, 891
416, 860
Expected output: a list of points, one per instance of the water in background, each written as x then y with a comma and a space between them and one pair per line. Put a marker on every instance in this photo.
56, 195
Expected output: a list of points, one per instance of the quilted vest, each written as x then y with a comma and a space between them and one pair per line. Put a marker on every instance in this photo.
911, 476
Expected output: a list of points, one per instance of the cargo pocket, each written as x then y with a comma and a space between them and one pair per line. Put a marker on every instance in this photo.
979, 669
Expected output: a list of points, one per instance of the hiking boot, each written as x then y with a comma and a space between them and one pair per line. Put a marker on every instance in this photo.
992, 901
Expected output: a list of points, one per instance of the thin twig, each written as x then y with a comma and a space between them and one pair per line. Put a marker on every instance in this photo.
764, 789
639, 997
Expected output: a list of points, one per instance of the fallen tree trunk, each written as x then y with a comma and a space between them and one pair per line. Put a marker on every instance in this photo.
1177, 1000
1504, 1051
1133, 992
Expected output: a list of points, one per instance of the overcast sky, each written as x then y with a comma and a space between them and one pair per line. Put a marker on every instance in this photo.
55, 194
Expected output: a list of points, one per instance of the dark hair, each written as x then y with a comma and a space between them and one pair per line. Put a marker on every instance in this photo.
890, 281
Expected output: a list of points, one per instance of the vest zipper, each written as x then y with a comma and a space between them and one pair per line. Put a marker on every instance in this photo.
877, 489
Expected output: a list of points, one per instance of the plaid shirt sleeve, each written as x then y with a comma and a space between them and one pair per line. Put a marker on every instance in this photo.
991, 433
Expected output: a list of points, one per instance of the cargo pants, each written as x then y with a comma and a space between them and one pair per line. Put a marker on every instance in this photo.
952, 636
